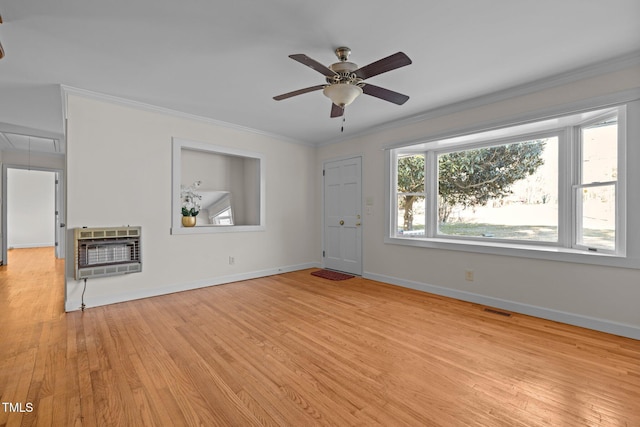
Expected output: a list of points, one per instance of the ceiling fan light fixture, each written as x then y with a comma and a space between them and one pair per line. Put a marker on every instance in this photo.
342, 94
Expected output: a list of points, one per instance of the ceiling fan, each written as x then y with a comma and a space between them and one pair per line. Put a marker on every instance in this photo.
345, 81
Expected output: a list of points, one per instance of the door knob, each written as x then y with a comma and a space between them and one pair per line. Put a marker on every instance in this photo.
341, 222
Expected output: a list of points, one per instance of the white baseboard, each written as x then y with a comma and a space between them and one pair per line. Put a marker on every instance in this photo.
597, 324
30, 245
601, 325
74, 305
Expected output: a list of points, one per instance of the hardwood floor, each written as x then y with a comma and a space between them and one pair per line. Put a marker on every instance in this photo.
298, 350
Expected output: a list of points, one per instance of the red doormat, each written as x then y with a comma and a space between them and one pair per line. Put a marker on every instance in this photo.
331, 275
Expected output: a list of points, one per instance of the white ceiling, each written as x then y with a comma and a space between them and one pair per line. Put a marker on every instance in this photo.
226, 60
18, 142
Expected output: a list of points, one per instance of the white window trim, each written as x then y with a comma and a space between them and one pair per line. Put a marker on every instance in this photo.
620, 184
627, 226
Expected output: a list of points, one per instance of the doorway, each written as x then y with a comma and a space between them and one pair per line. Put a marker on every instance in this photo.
342, 234
32, 209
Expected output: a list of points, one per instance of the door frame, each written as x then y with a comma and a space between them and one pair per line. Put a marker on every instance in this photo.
322, 215
59, 220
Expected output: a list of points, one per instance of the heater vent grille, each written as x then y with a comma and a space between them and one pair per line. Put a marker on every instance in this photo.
498, 312
110, 251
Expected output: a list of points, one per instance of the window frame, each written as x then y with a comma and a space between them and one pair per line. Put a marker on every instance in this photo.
569, 152
577, 183
396, 193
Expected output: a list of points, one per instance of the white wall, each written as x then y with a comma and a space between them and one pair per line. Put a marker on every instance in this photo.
30, 208
600, 297
119, 173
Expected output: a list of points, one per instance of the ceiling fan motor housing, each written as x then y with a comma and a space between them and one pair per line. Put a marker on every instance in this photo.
344, 87
345, 73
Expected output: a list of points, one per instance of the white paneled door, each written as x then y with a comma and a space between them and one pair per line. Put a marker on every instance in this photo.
342, 215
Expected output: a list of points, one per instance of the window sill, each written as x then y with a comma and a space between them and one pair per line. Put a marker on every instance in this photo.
208, 229
551, 253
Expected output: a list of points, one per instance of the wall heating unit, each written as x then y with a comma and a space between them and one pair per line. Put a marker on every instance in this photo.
107, 251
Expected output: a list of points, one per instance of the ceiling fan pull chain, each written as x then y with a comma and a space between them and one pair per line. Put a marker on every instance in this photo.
343, 120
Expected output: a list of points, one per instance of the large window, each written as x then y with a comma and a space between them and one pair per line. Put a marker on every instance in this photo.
552, 185
507, 191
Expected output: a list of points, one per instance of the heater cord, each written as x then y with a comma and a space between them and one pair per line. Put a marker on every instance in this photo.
83, 291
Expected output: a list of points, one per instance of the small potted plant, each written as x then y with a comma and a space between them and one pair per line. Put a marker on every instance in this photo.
190, 203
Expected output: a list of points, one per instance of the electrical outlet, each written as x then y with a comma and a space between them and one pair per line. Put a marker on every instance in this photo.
468, 275
232, 260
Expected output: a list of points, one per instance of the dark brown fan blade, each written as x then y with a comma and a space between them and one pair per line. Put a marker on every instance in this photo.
386, 94
336, 110
1, 49
312, 63
298, 92
389, 63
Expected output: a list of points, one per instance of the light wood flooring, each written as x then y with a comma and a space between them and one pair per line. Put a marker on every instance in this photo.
298, 350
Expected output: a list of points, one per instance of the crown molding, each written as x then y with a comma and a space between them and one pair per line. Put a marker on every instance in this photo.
70, 90
593, 70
